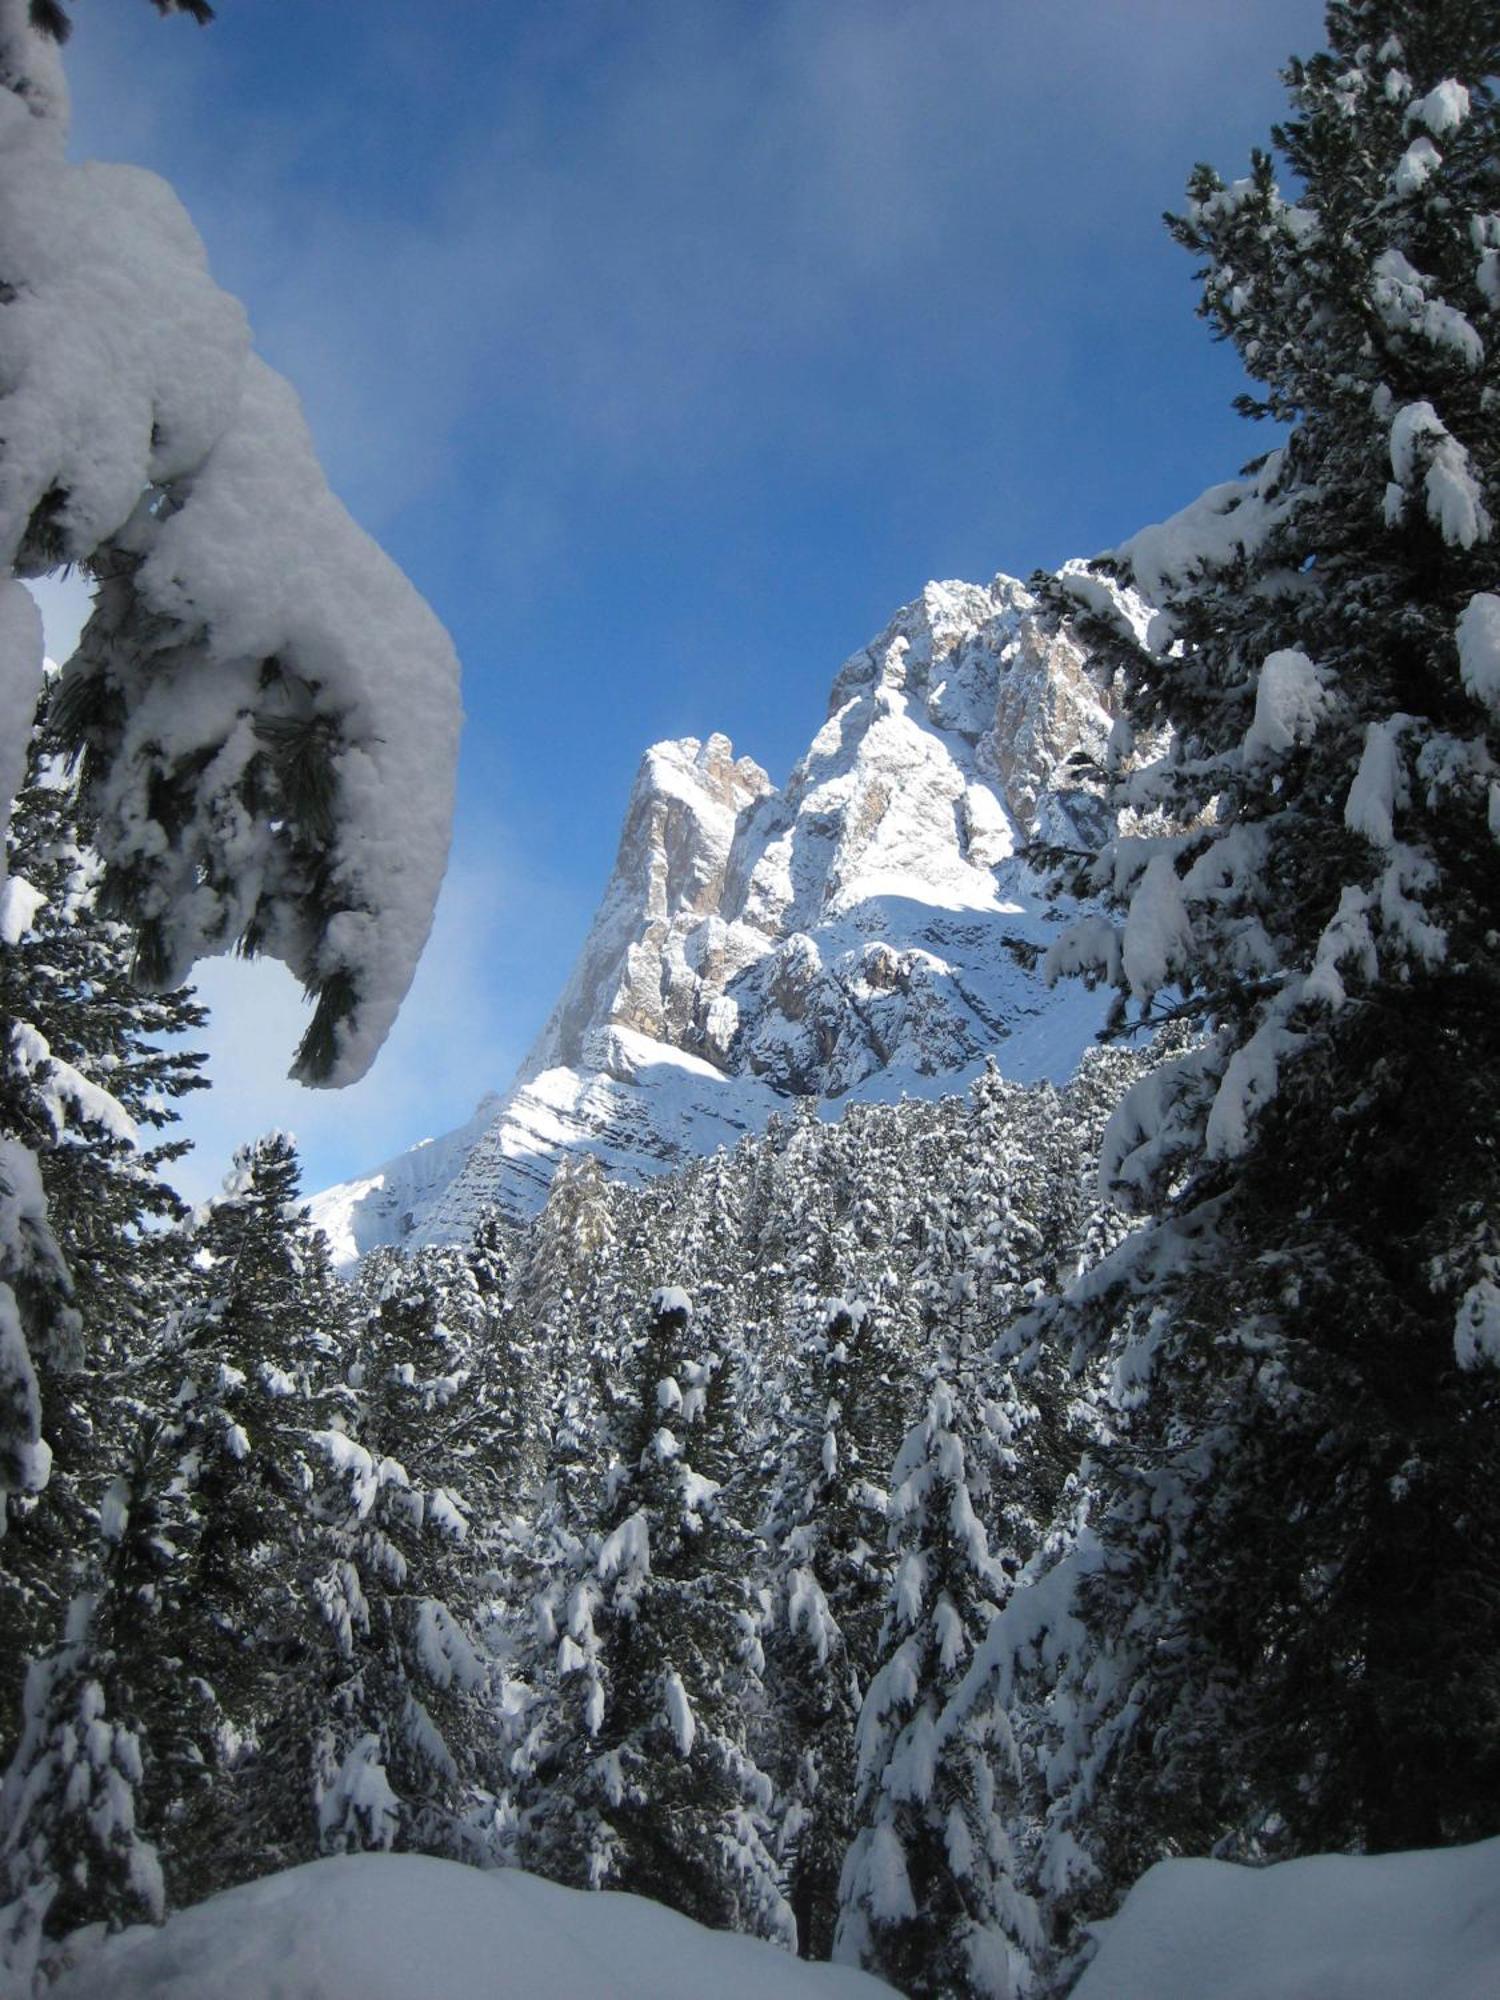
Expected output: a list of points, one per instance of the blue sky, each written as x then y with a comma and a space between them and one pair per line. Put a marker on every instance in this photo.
669, 345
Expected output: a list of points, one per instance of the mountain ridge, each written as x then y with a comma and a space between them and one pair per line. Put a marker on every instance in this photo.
869, 930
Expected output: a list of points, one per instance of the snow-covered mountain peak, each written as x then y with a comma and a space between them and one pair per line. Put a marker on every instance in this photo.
685, 808
867, 929
706, 779
976, 662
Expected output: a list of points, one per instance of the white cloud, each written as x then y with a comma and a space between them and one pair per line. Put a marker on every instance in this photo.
652, 234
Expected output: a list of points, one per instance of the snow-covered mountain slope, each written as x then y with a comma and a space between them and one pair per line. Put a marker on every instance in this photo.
869, 930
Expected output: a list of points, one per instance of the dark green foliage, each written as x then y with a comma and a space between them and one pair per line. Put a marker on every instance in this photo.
1332, 1607
76, 1029
829, 1574
648, 1784
929, 1897
256, 1379
70, 1850
1294, 1586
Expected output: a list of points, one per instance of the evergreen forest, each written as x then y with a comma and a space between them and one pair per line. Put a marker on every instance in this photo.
891, 1537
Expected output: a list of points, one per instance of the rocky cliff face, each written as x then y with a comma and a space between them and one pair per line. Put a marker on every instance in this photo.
866, 931
686, 808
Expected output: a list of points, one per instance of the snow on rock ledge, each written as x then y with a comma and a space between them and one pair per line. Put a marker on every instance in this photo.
403, 1927
1331, 1927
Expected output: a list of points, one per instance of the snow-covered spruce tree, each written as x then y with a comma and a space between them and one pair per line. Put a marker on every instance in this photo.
656, 1656
1311, 1320
929, 1897
252, 1619
978, 1253
1003, 1190
552, 1691
110, 1738
505, 1427
86, 1074
266, 712
829, 1575
568, 1277
66, 971
71, 1851
395, 1501
562, 1306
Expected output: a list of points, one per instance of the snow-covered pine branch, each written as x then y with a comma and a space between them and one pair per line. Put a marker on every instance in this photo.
267, 711
1300, 1333
264, 711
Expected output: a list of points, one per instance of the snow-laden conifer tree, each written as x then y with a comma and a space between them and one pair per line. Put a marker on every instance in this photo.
254, 1367
398, 1483
65, 972
106, 1746
85, 1080
71, 1850
656, 1655
567, 1280
1307, 1327
930, 1896
829, 1573
265, 711
506, 1427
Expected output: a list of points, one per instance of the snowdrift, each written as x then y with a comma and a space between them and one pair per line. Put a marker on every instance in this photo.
1332, 1927
402, 1927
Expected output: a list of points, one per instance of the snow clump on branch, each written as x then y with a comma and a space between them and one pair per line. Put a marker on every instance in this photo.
266, 709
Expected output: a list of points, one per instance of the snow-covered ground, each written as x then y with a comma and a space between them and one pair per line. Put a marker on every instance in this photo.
402, 1927
1332, 1927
